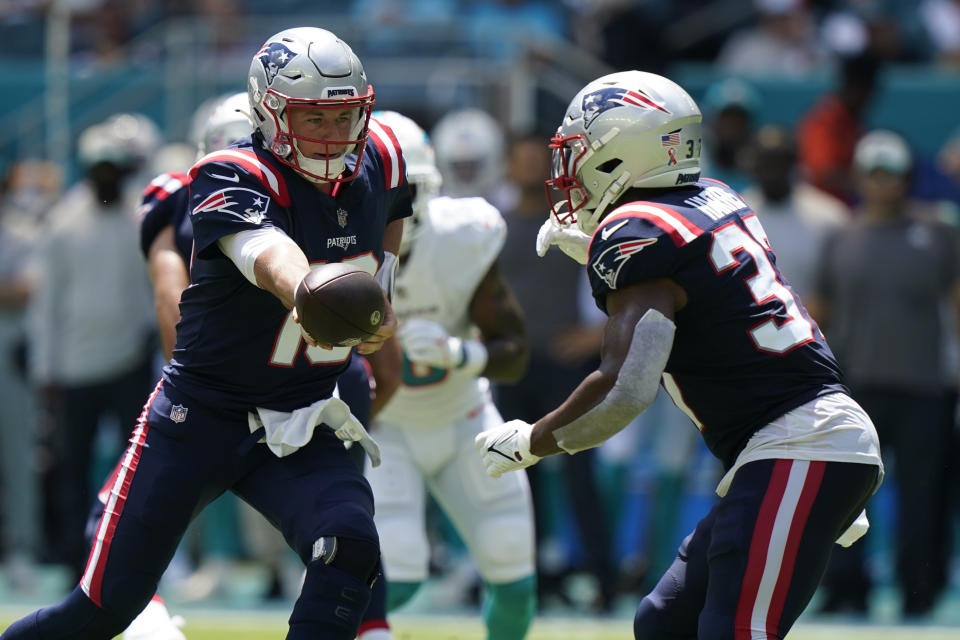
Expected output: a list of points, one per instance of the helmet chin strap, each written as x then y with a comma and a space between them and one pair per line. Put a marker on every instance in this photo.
609, 197
330, 168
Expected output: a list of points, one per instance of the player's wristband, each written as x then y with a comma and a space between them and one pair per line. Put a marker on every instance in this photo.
473, 357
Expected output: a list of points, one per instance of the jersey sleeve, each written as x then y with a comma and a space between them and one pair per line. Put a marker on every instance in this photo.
401, 203
626, 249
163, 200
387, 156
232, 195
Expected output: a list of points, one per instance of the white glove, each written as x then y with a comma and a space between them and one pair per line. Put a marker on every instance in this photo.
336, 415
426, 342
570, 239
506, 447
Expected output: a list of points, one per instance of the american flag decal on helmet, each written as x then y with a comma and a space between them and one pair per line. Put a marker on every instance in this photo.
596, 102
671, 139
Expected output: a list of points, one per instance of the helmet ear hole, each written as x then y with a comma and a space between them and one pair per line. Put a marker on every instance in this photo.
610, 165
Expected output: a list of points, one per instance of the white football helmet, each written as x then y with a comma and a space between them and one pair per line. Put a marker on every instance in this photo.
422, 172
470, 152
623, 130
309, 68
217, 125
123, 139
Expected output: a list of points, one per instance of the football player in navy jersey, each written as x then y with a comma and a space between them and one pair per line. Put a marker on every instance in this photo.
695, 302
166, 240
246, 404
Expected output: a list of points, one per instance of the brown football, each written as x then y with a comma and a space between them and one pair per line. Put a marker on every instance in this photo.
340, 305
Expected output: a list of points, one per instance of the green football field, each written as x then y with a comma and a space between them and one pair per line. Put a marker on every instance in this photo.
253, 625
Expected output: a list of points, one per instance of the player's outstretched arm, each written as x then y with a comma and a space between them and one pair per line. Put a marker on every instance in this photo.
495, 311
612, 396
279, 268
170, 277
637, 340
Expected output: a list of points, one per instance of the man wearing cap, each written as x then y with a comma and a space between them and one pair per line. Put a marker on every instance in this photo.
880, 293
91, 326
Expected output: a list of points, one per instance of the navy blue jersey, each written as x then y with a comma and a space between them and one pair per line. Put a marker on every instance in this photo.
237, 345
165, 203
745, 350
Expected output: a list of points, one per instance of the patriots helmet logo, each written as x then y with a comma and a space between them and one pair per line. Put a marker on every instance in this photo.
274, 56
596, 102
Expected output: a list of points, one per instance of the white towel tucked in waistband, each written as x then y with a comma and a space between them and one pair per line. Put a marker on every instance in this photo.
287, 432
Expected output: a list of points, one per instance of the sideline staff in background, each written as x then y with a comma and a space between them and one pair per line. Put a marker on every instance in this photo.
885, 287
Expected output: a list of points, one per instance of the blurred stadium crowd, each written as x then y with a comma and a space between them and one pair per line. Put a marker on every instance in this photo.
794, 95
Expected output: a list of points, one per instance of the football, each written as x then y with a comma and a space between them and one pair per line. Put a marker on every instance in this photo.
340, 305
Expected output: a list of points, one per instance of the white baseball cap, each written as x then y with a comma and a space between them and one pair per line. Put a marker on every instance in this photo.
882, 149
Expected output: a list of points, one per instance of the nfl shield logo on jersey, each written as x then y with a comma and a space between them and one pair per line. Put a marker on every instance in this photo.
178, 413
342, 217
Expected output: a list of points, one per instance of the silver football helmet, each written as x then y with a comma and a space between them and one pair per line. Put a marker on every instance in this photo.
623, 130
218, 124
309, 68
422, 172
470, 152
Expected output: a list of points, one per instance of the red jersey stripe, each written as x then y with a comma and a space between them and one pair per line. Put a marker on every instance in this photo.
759, 546
811, 487
386, 142
92, 580
267, 176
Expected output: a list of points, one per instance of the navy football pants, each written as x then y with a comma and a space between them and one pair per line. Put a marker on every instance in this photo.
752, 564
172, 470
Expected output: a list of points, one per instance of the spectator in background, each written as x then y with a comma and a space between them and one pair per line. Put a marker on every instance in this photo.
937, 178
510, 28
889, 30
881, 290
91, 318
795, 215
470, 151
830, 129
730, 111
562, 347
941, 21
25, 196
783, 42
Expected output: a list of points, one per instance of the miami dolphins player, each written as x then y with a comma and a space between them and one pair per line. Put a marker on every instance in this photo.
246, 403
695, 302
459, 325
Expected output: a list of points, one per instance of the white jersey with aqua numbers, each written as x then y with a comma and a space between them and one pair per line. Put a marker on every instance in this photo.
460, 241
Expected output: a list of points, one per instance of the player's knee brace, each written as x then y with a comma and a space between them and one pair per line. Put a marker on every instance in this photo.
76, 618
336, 589
400, 593
509, 608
